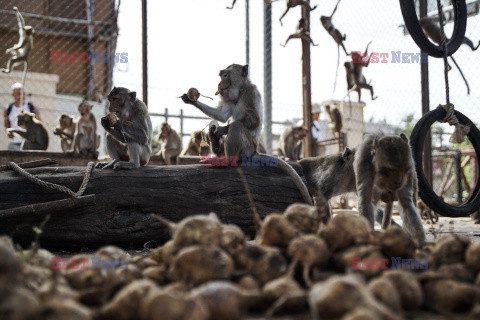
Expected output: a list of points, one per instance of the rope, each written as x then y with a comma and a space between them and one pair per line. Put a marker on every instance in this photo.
461, 130
44, 184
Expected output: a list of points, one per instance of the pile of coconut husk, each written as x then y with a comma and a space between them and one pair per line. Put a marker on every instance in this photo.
209, 270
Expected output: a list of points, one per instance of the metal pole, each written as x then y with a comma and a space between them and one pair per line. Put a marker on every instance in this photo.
267, 74
144, 52
458, 167
306, 86
91, 64
427, 149
247, 31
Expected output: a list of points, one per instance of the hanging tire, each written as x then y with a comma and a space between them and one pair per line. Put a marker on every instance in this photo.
425, 191
413, 26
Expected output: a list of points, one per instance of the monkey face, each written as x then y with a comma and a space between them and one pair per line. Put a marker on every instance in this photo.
84, 108
119, 102
23, 118
165, 130
232, 80
299, 133
65, 121
324, 21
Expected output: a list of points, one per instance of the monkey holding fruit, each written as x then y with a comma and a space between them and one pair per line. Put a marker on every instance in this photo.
34, 134
129, 138
198, 145
291, 142
66, 131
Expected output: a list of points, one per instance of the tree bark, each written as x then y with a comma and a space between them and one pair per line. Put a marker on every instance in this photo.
119, 212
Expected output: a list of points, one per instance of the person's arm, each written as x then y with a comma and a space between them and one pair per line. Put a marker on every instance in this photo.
37, 113
5, 119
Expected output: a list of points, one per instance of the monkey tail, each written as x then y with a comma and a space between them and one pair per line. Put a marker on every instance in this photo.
24, 77
296, 179
336, 72
387, 215
461, 73
256, 216
171, 225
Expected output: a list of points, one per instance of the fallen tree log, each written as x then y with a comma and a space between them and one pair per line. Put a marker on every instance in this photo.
119, 212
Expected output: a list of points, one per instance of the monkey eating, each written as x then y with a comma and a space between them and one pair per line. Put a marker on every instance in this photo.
86, 140
242, 103
355, 79
198, 145
130, 138
293, 4
34, 134
301, 33
66, 131
335, 119
291, 142
384, 166
172, 144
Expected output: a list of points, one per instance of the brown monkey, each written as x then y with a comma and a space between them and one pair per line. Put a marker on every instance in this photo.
355, 78
66, 131
293, 4
384, 167
197, 145
241, 101
291, 142
22, 49
335, 119
432, 30
302, 33
130, 137
332, 31
34, 133
172, 144
86, 140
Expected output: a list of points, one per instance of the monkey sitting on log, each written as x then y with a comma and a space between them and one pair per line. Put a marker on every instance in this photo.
66, 131
86, 141
335, 119
198, 145
172, 143
291, 142
129, 137
242, 103
301, 33
293, 4
32, 131
355, 79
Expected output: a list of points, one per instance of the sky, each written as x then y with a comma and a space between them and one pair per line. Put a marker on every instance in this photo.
189, 41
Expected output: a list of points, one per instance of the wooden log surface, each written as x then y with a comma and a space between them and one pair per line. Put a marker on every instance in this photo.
119, 213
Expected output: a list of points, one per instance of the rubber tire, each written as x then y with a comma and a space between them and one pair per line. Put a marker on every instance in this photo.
425, 191
422, 41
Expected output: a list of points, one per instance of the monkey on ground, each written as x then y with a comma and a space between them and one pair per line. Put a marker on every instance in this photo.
172, 143
291, 142
197, 145
129, 139
66, 131
335, 119
332, 31
242, 103
293, 4
301, 33
22, 49
432, 30
86, 140
355, 78
32, 131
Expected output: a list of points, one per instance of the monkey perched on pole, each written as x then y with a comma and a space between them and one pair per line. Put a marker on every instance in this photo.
240, 102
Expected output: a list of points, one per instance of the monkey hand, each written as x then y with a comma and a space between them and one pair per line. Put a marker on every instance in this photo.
15, 8
105, 122
186, 100
118, 126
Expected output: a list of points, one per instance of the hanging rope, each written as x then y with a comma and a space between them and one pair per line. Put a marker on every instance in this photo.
44, 184
460, 130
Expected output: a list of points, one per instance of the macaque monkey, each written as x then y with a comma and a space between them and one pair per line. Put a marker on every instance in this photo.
130, 137
242, 103
432, 30
302, 33
335, 119
172, 143
293, 4
22, 49
329, 176
384, 169
291, 142
66, 131
86, 140
198, 145
332, 31
34, 134
355, 78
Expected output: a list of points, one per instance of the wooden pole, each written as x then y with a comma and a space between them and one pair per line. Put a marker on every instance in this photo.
306, 86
